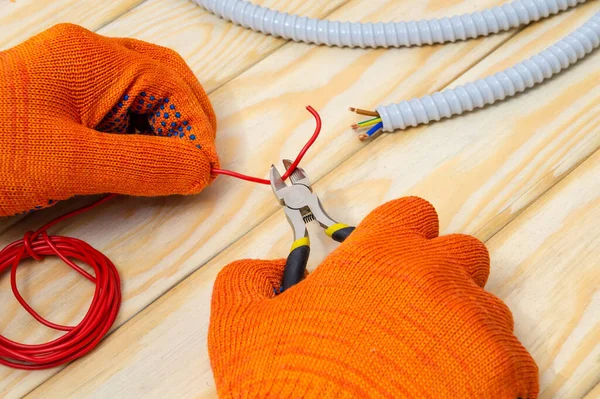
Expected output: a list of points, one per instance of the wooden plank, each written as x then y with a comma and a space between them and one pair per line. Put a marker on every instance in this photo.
546, 268
480, 171
158, 242
154, 249
215, 50
195, 34
543, 265
22, 19
594, 393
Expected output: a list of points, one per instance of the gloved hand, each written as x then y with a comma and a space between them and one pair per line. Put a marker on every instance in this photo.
395, 311
69, 103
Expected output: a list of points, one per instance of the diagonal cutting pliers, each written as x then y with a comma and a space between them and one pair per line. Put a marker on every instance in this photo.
302, 206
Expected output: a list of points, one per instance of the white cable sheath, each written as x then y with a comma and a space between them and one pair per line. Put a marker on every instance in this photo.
449, 102
497, 87
389, 34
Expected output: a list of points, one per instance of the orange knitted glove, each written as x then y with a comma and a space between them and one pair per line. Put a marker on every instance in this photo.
395, 312
69, 101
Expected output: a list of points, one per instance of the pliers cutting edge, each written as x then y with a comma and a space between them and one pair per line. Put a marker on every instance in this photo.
302, 206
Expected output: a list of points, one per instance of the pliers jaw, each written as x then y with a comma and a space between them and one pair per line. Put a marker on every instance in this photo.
293, 199
299, 176
300, 197
277, 184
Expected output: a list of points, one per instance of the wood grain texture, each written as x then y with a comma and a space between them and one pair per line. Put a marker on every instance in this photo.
158, 242
22, 19
180, 25
544, 265
483, 169
215, 50
480, 172
594, 393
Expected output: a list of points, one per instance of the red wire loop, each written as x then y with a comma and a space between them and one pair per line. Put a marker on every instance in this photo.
28, 246
82, 338
294, 165
77, 340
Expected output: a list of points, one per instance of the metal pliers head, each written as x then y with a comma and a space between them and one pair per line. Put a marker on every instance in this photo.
302, 206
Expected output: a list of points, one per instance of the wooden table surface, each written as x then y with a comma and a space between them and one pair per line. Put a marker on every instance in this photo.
521, 176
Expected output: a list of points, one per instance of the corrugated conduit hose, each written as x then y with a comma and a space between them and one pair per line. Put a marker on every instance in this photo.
448, 102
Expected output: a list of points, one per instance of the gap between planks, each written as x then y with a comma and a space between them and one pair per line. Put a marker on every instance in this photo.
260, 221
469, 67
251, 65
557, 193
108, 22
315, 181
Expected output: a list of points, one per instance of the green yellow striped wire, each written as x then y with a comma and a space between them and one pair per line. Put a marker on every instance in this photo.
369, 122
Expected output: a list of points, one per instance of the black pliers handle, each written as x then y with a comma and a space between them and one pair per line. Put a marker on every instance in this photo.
302, 206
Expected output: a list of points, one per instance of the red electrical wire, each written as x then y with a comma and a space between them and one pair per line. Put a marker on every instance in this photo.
82, 338
294, 165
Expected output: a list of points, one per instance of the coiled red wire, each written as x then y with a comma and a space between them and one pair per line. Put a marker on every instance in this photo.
80, 339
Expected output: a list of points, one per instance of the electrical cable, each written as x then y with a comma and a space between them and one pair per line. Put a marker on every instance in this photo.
371, 131
388, 34
367, 123
82, 338
364, 112
85, 336
447, 103
497, 87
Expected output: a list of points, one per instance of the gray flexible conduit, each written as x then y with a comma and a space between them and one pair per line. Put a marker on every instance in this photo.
449, 102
